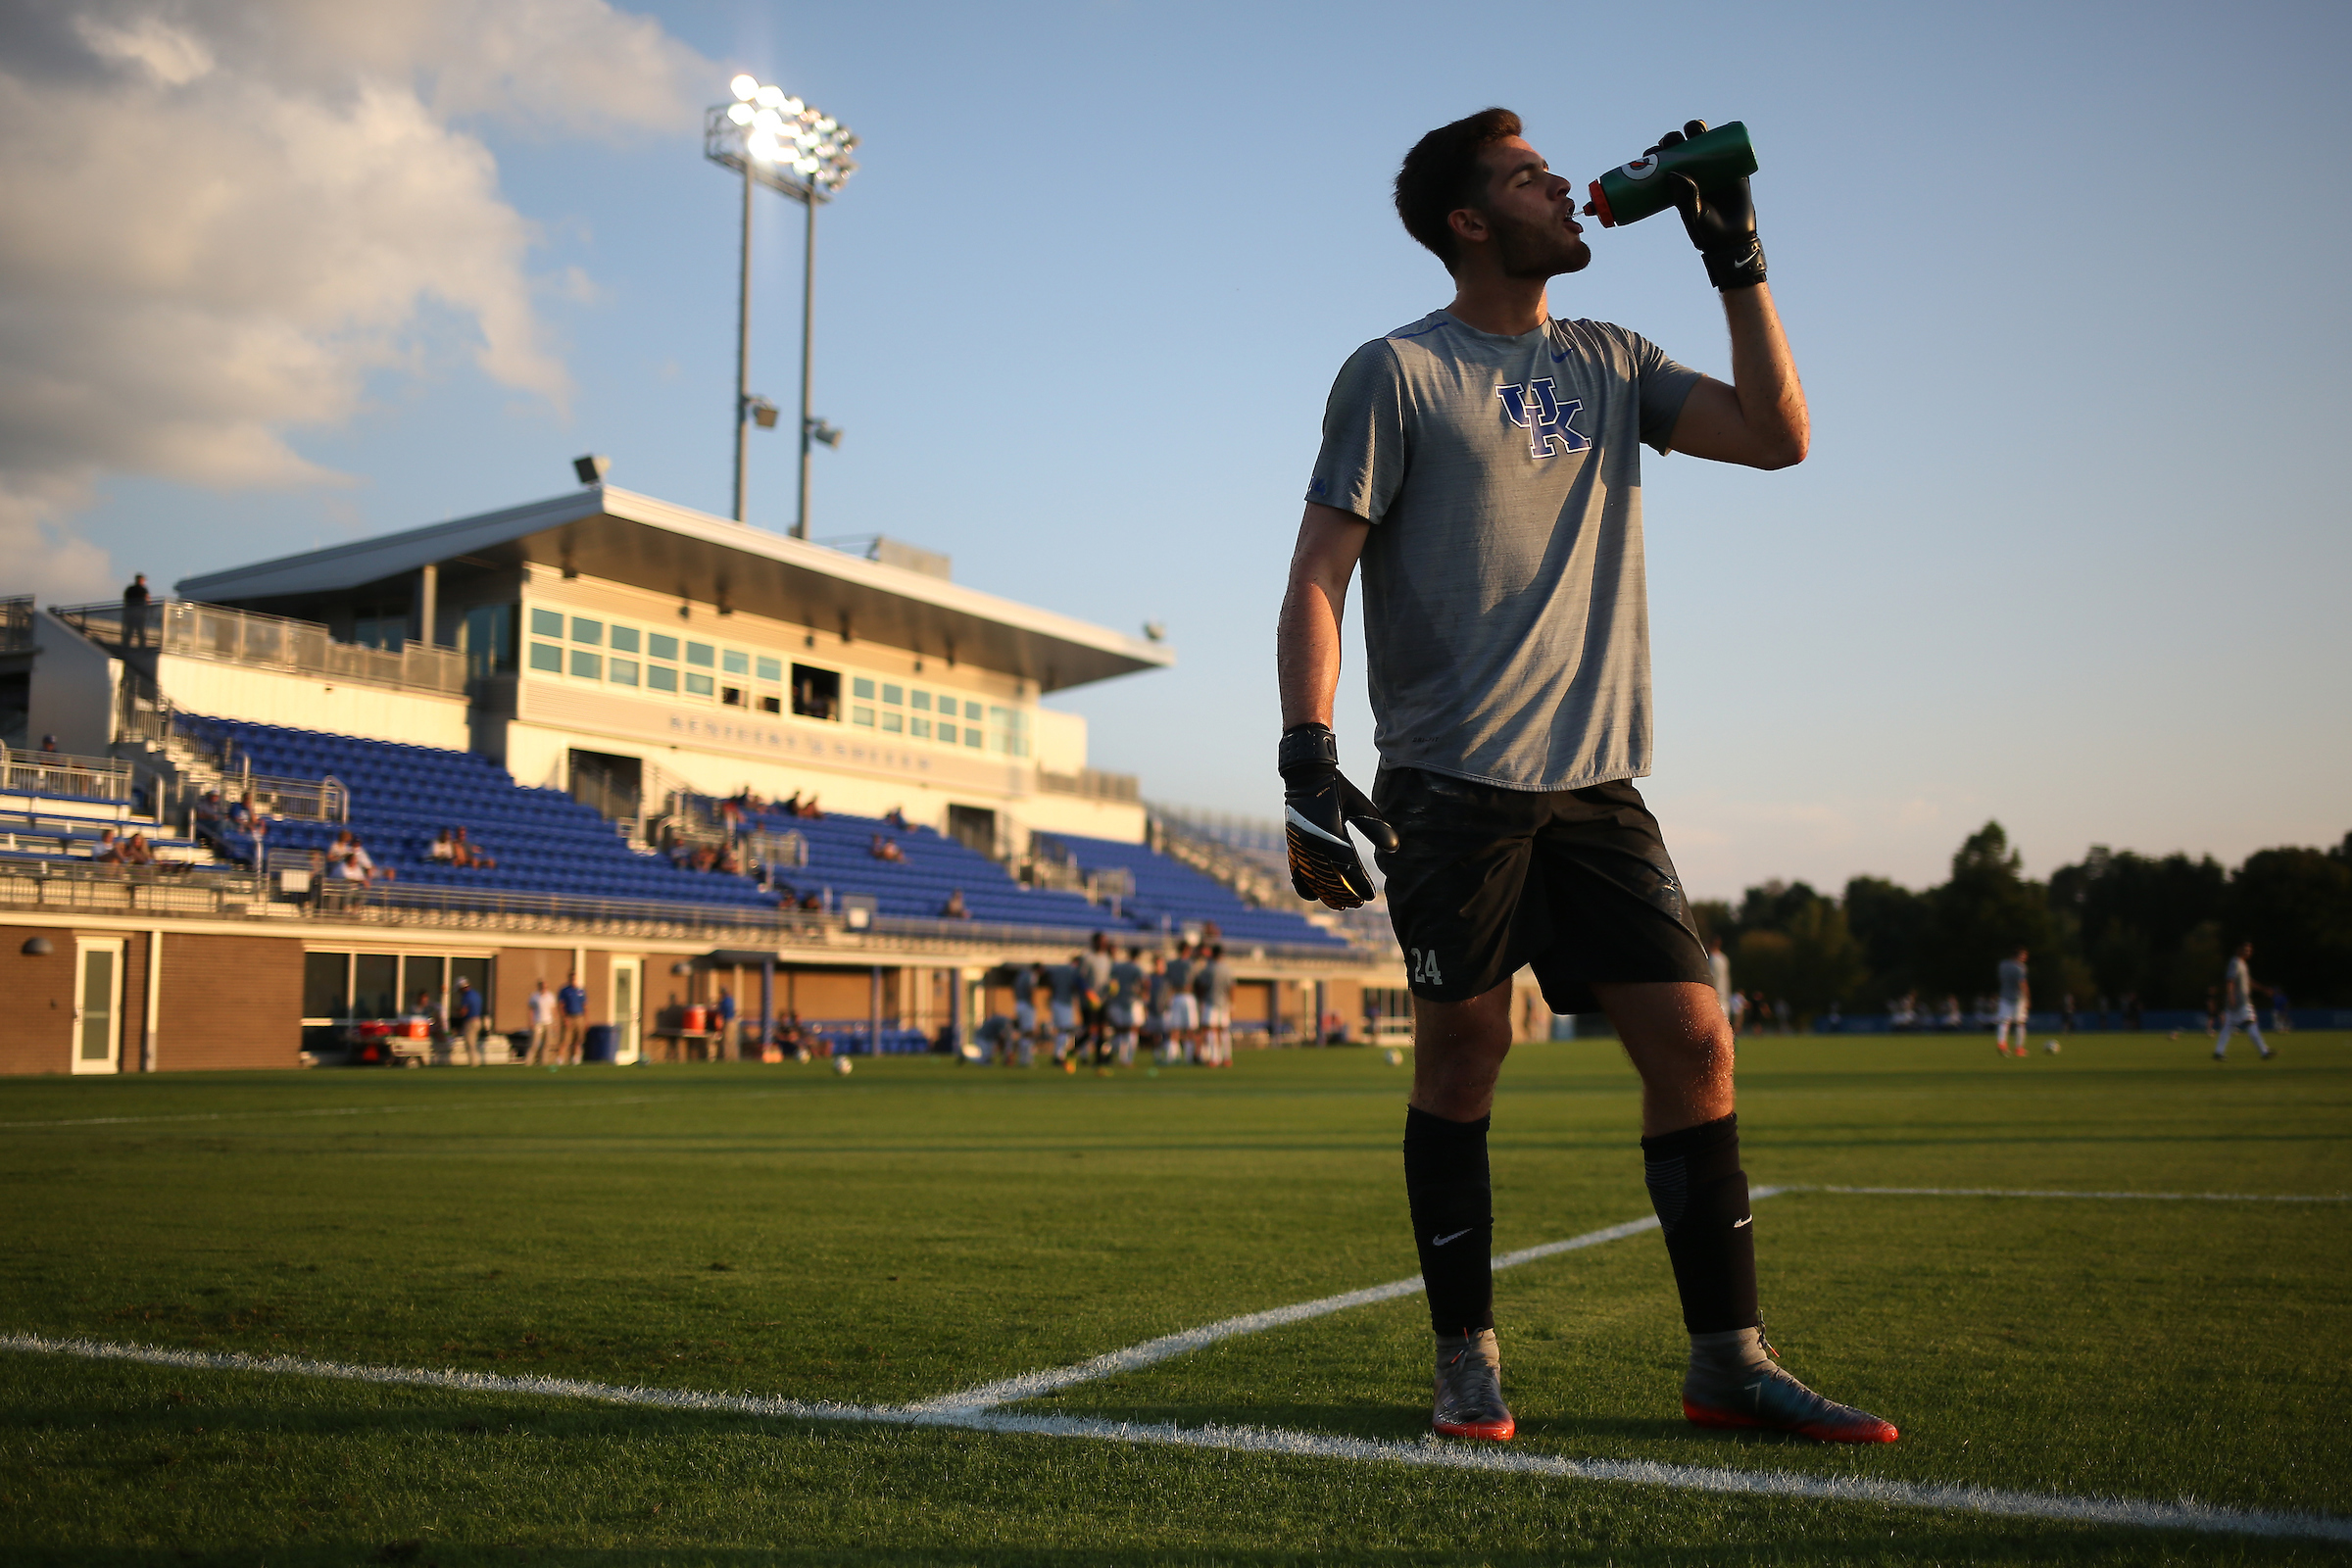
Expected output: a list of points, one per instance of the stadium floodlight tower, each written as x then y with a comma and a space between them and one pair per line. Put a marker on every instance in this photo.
776, 140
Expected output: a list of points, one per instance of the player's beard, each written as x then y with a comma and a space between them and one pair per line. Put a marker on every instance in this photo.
1537, 250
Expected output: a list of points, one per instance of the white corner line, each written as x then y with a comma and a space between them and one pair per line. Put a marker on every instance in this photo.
2027, 1192
2202, 1518
1034, 1385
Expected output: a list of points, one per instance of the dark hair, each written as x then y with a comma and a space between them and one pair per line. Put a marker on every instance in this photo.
1441, 174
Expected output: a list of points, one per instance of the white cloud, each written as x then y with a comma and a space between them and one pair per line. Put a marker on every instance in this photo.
225, 218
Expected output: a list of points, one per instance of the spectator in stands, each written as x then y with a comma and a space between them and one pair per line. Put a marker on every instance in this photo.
134, 612
542, 1008
136, 851
209, 810
572, 1009
812, 902
953, 909
49, 745
350, 862
885, 849
465, 1023
109, 849
728, 863
895, 818
808, 808
444, 849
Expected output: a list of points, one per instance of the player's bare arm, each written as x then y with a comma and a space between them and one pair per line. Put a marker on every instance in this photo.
1306, 640
1759, 420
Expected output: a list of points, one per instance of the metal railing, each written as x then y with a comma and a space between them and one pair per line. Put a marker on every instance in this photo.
1091, 784
15, 624
247, 637
200, 892
100, 779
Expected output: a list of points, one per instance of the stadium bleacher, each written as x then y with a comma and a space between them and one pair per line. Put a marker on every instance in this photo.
841, 862
1169, 895
402, 795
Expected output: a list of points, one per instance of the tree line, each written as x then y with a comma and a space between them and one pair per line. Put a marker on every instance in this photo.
2114, 929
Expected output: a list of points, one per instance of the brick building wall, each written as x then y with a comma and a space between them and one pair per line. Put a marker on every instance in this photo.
37, 1016
229, 1002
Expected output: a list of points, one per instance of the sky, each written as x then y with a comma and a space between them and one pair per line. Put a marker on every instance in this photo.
2064, 283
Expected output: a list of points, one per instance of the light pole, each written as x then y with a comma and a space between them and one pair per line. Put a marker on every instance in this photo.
796, 151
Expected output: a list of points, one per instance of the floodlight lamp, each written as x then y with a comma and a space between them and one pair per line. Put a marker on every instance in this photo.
762, 146
741, 114
803, 166
770, 121
792, 106
744, 87
771, 97
828, 126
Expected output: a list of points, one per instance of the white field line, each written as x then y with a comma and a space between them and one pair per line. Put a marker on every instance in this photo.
582, 1102
2024, 1192
2202, 1518
1034, 1385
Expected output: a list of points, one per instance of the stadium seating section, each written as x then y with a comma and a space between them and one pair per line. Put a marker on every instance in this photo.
402, 795
1169, 895
546, 842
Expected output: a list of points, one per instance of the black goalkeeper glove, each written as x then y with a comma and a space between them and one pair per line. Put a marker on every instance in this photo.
1721, 221
1318, 804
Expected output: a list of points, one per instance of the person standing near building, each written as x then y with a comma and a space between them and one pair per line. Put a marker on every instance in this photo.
1213, 984
1719, 965
1483, 462
1063, 982
466, 1024
2016, 1004
2238, 1004
1127, 985
1183, 1021
542, 1011
1155, 1008
571, 1020
135, 599
1094, 997
722, 1042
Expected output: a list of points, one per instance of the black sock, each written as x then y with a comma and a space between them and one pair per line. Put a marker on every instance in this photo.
1700, 1193
1453, 1218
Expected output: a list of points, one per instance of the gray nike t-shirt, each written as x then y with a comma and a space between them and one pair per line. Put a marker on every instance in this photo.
1506, 617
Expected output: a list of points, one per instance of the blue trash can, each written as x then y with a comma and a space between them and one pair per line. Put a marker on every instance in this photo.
601, 1042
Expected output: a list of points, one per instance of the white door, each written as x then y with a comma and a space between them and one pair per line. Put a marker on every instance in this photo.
627, 973
98, 1005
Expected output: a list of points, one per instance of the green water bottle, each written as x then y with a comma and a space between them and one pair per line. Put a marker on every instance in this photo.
1633, 191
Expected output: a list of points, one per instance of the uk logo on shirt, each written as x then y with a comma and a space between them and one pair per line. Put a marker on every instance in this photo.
1543, 417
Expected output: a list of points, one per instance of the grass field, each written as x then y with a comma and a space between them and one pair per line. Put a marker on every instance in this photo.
920, 1228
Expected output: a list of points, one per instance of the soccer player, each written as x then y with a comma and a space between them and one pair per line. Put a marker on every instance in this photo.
1484, 464
1184, 1009
1126, 1005
2016, 1004
2238, 1003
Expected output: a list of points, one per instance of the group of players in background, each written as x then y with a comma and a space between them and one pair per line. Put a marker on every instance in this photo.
1106, 1007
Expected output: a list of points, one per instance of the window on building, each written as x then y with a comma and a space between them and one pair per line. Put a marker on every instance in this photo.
919, 728
735, 661
895, 696
624, 639
700, 654
587, 666
660, 678
547, 623
547, 657
326, 985
698, 685
772, 669
862, 715
920, 702
862, 689
658, 646
731, 696
1009, 731
771, 705
622, 671
486, 636
584, 631
816, 693
893, 724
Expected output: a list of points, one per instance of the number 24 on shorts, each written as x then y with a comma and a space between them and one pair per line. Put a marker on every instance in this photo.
1425, 967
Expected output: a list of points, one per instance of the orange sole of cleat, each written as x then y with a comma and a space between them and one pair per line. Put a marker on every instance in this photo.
1698, 1415
1487, 1431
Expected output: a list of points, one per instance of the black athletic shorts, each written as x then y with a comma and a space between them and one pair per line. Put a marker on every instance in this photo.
1577, 883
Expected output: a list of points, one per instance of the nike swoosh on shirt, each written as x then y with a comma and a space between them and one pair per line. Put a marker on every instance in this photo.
1441, 1241
1750, 1220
